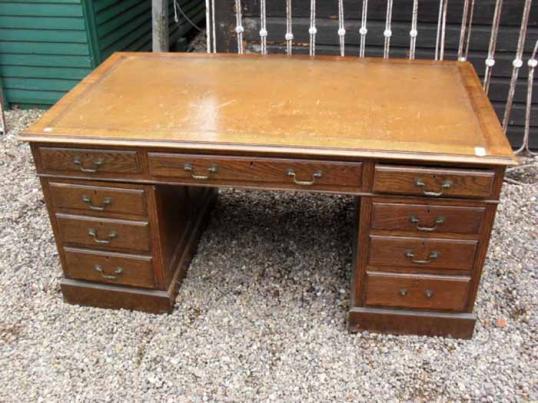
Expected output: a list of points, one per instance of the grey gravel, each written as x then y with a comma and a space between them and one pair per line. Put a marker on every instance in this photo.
261, 314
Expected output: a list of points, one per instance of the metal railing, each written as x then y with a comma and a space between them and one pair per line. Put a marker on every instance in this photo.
440, 39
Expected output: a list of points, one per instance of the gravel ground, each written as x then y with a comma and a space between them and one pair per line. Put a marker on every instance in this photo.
261, 314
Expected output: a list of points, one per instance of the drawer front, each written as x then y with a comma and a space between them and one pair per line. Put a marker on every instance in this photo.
104, 233
87, 162
427, 218
307, 174
420, 292
433, 182
108, 267
101, 199
426, 253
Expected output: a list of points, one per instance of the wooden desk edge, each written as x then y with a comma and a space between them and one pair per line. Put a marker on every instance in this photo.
270, 151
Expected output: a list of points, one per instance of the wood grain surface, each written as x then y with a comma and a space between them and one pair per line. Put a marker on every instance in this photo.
413, 291
91, 199
103, 267
462, 183
456, 254
423, 219
129, 235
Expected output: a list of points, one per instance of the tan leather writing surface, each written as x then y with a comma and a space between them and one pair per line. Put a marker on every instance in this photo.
308, 104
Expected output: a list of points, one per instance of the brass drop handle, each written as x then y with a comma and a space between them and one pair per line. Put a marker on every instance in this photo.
111, 235
88, 200
117, 271
431, 257
213, 169
428, 293
438, 221
315, 175
447, 184
95, 163
403, 292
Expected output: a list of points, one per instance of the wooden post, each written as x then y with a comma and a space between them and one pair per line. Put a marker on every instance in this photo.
3, 124
159, 12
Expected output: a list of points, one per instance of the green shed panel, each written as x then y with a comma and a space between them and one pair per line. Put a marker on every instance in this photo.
47, 47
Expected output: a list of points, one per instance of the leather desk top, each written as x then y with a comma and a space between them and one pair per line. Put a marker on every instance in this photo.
352, 107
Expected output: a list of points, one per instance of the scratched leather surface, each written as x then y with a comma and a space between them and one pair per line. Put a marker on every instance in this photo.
295, 102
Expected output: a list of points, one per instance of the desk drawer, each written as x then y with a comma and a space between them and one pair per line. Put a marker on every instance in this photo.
433, 182
108, 267
420, 292
89, 162
299, 174
100, 199
426, 253
427, 218
104, 233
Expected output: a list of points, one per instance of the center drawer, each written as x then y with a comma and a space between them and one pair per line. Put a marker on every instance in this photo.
280, 173
426, 253
104, 233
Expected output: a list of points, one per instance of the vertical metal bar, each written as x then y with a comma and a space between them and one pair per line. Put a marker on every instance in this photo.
213, 30
438, 36
470, 27
441, 30
208, 26
463, 30
289, 28
239, 27
363, 30
312, 30
341, 28
517, 62
387, 33
263, 28
532, 63
160, 34
490, 61
413, 32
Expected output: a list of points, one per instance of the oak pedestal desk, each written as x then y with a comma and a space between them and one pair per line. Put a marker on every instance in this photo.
130, 160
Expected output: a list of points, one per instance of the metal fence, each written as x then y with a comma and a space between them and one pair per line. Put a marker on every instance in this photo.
465, 33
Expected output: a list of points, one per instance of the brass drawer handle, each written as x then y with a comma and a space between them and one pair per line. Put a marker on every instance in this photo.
118, 271
447, 184
96, 164
316, 175
428, 293
211, 170
403, 292
438, 221
431, 257
111, 235
88, 200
